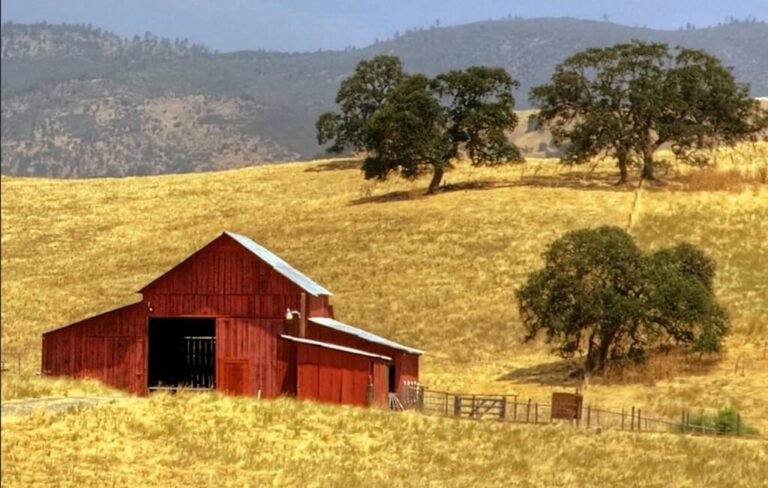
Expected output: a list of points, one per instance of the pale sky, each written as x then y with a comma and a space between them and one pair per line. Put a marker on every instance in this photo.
308, 25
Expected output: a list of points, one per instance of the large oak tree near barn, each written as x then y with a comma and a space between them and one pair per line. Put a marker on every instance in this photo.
599, 295
410, 124
628, 100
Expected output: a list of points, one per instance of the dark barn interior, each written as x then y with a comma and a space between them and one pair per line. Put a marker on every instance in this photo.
182, 353
392, 379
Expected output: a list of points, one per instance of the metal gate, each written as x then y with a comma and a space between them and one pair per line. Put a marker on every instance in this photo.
200, 356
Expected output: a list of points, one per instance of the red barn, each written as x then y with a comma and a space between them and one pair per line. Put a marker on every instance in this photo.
236, 318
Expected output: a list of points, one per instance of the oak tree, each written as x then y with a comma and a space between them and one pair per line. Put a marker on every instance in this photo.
411, 125
628, 100
598, 294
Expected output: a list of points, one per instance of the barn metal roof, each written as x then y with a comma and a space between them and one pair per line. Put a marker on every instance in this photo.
335, 347
285, 269
348, 329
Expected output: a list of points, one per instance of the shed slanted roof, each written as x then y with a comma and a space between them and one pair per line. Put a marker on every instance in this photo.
335, 347
362, 334
285, 269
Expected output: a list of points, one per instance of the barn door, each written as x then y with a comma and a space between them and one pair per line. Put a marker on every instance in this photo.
232, 376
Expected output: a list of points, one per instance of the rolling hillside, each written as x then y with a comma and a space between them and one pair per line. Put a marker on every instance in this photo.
438, 273
80, 102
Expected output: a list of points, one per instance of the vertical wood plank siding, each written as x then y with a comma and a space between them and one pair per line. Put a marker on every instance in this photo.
406, 364
333, 376
109, 347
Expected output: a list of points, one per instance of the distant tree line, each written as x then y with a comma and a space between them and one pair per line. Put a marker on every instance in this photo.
149, 45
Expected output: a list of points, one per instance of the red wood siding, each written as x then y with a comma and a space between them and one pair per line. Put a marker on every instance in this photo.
109, 347
406, 364
233, 376
225, 280
333, 376
381, 384
256, 342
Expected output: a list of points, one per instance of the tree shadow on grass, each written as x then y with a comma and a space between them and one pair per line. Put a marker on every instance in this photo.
419, 193
572, 180
577, 180
394, 196
659, 366
335, 165
563, 372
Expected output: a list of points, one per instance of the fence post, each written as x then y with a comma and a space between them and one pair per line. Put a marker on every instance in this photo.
639, 418
503, 411
536, 413
589, 414
632, 420
445, 404
738, 424
622, 418
420, 400
514, 410
474, 408
528, 412
457, 406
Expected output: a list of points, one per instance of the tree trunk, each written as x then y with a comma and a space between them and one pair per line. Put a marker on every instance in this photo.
437, 177
589, 363
605, 346
648, 166
622, 172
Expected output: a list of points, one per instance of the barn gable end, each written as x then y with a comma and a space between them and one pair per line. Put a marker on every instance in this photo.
227, 278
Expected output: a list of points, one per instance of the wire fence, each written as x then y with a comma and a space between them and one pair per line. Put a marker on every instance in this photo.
510, 408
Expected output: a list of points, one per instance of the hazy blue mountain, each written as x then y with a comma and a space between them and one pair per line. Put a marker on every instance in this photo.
78, 101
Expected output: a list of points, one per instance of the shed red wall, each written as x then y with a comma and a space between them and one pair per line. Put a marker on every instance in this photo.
332, 376
406, 364
110, 347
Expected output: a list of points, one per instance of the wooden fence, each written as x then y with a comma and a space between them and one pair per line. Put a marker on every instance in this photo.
510, 408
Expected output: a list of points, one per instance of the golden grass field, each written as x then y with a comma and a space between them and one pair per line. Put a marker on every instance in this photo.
438, 273
208, 440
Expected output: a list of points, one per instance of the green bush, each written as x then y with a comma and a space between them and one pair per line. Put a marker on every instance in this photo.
726, 421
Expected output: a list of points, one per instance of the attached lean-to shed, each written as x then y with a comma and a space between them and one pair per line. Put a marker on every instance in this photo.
233, 317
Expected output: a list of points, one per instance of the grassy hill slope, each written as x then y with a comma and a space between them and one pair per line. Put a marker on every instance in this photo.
437, 273
209, 440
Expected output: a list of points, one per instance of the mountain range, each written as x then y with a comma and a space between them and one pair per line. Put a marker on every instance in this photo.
78, 101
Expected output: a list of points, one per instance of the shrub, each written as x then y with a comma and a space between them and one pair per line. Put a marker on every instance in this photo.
726, 421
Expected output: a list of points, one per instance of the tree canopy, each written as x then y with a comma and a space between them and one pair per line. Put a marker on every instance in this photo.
410, 124
600, 295
628, 100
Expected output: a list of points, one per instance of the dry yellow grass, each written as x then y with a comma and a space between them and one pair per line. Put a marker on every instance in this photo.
438, 273
16, 387
208, 440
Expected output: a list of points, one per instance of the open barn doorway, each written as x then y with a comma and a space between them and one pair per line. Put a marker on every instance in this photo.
182, 353
392, 379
